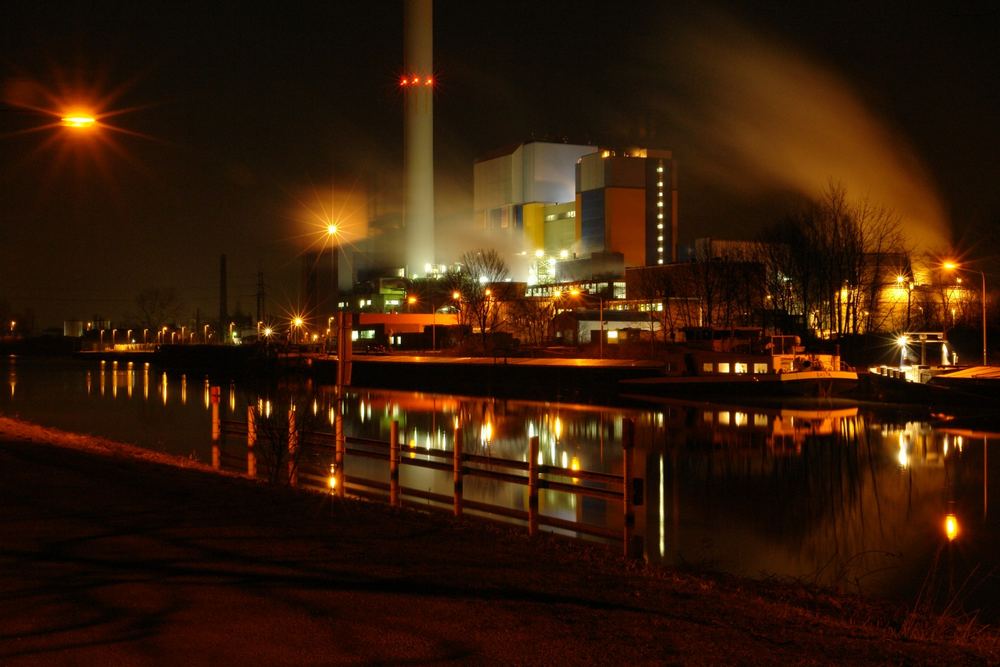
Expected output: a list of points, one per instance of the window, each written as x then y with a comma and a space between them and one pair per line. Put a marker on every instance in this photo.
723, 366
759, 368
740, 367
706, 367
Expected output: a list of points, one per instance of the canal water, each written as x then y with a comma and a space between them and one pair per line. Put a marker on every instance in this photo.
837, 495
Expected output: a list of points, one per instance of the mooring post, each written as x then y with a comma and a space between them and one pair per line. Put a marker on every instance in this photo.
251, 441
533, 485
457, 460
293, 447
216, 393
394, 463
338, 457
632, 491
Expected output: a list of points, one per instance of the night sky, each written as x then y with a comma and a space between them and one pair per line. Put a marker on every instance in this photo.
239, 120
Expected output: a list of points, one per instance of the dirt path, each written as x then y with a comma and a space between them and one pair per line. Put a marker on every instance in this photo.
109, 558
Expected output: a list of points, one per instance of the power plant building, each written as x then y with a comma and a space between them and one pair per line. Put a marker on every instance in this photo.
512, 187
627, 203
575, 205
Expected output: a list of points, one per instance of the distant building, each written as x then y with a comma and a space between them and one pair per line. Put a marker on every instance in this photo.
319, 291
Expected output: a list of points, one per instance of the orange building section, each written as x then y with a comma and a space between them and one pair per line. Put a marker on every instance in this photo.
625, 223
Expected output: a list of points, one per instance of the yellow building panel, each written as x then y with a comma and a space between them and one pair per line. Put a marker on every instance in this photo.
534, 226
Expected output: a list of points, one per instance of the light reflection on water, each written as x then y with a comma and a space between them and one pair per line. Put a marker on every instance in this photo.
833, 496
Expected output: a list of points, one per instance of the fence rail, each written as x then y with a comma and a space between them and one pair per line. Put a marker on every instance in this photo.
626, 488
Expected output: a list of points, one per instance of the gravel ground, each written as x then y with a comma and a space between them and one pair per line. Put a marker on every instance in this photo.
111, 554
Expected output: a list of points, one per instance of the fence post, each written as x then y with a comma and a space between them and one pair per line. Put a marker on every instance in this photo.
293, 447
457, 460
533, 485
632, 492
251, 441
338, 457
216, 419
394, 463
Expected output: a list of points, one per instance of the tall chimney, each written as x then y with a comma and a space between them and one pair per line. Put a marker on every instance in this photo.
418, 153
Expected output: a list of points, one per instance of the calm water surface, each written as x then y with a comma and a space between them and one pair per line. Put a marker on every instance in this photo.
838, 496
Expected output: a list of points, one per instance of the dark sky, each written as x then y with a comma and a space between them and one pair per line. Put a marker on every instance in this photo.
234, 110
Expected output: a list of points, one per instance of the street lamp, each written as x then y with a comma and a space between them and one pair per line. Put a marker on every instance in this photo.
954, 266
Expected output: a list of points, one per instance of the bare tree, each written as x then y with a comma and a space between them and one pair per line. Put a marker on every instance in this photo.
480, 283
531, 319
838, 255
156, 306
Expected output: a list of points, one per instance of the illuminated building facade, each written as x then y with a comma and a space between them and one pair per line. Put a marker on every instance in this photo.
626, 202
578, 210
522, 190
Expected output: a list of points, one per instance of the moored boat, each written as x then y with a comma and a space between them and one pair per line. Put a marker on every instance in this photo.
779, 366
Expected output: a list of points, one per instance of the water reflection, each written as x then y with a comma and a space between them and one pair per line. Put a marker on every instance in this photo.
834, 495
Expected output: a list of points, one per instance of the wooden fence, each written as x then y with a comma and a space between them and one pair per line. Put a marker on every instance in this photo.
626, 488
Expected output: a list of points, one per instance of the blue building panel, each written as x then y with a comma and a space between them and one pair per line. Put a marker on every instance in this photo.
592, 221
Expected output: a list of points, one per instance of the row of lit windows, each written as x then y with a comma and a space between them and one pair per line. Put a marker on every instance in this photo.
739, 367
738, 418
659, 214
560, 216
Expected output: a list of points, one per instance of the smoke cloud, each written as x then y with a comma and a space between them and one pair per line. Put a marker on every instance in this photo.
760, 115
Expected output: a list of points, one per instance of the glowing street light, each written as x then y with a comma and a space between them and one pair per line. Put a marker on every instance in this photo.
951, 527
954, 266
902, 342
79, 121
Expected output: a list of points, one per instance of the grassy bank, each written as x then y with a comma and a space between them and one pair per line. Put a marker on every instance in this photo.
113, 553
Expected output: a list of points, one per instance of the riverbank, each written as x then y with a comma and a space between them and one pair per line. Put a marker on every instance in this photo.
119, 555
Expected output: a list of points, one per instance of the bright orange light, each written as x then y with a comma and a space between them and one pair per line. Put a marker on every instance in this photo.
949, 265
574, 292
411, 300
455, 295
403, 81
298, 321
331, 229
951, 528
429, 81
78, 121
488, 292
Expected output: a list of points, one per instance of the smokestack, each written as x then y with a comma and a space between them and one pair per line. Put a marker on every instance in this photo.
223, 306
418, 152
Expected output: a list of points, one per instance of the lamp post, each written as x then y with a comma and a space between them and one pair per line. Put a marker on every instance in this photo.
954, 266
333, 232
